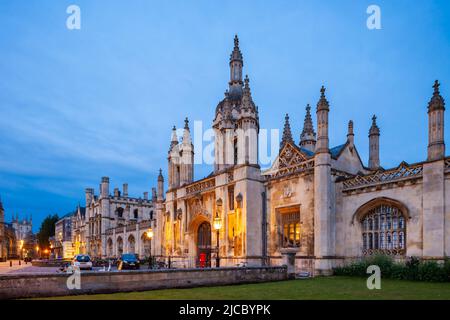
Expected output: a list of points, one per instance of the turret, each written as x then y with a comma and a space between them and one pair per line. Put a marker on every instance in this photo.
104, 193
246, 151
89, 193
436, 108
160, 194
324, 218
350, 134
308, 136
374, 145
174, 161
322, 123
187, 156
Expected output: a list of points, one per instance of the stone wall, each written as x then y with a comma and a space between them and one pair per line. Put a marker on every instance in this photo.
29, 286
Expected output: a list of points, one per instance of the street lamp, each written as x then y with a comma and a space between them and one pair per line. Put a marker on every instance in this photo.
150, 237
217, 226
21, 249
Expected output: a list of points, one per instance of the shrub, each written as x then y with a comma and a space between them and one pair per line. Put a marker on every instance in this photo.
446, 268
383, 261
431, 271
412, 269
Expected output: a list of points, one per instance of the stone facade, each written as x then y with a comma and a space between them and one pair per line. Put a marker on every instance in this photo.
315, 207
16, 238
112, 224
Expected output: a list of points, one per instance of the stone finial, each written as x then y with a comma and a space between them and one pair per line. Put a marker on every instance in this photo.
374, 130
287, 134
186, 124
350, 134
350, 128
236, 54
374, 145
436, 102
174, 138
323, 102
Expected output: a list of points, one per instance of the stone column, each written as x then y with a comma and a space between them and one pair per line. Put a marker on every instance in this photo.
433, 209
322, 192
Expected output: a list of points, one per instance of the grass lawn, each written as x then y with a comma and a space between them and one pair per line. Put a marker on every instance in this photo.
317, 288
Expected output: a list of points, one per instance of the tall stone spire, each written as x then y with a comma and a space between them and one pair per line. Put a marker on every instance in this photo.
287, 134
236, 65
374, 145
187, 156
436, 108
308, 136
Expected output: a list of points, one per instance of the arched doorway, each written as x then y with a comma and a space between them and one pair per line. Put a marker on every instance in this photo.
131, 244
119, 246
110, 248
204, 245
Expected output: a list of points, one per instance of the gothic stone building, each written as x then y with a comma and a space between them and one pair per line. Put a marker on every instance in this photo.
112, 224
315, 207
16, 238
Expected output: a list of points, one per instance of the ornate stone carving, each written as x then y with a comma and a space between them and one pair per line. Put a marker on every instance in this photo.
290, 156
287, 191
293, 169
197, 209
230, 176
201, 186
403, 172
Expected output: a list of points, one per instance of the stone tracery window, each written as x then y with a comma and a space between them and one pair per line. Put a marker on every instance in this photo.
384, 231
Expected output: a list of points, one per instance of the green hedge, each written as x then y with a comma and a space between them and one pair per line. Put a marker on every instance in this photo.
413, 269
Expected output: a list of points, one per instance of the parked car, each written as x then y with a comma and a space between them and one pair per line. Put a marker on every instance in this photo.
128, 261
83, 261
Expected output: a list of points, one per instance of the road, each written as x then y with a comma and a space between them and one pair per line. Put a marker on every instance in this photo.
28, 268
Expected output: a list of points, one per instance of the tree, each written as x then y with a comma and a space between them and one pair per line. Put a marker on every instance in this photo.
47, 230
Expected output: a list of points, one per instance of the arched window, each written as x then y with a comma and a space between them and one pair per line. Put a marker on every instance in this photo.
384, 231
119, 212
135, 213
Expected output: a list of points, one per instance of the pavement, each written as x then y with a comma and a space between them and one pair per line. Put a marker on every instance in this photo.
23, 268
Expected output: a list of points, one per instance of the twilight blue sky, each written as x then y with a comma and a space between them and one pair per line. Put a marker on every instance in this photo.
79, 105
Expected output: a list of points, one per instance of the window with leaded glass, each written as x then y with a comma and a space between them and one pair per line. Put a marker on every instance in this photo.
384, 231
291, 229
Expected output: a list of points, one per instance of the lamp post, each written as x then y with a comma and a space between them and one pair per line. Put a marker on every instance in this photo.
150, 237
217, 227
